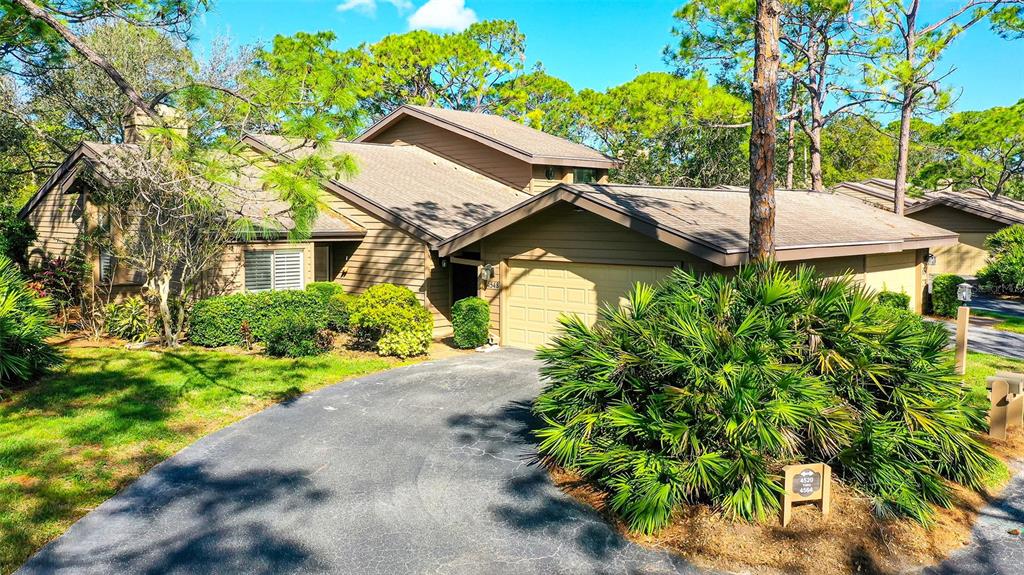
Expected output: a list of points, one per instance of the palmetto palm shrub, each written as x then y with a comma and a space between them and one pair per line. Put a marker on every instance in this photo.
699, 390
24, 328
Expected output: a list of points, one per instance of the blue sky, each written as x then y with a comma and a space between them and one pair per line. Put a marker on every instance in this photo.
591, 44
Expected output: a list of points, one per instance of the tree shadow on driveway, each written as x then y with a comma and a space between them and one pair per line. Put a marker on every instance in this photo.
182, 518
532, 507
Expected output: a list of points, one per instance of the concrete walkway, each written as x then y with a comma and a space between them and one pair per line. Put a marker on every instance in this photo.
423, 469
993, 549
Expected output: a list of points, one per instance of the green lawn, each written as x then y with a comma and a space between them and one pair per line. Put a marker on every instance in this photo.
78, 437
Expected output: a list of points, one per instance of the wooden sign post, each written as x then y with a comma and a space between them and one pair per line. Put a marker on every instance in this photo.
812, 482
1006, 397
963, 319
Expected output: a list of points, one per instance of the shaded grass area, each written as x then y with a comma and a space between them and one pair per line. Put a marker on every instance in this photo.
1006, 322
76, 438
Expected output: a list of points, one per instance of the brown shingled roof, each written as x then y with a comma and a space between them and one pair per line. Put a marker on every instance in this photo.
972, 200
439, 198
247, 198
524, 142
714, 224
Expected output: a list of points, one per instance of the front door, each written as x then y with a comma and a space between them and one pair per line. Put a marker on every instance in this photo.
465, 282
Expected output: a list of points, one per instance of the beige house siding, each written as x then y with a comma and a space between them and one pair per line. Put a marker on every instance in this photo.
570, 241
460, 149
58, 220
389, 255
969, 256
561, 234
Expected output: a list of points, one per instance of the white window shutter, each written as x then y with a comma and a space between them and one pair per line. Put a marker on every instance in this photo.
259, 271
288, 270
106, 265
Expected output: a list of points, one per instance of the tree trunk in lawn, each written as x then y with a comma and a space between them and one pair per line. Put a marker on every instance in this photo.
92, 56
763, 130
163, 289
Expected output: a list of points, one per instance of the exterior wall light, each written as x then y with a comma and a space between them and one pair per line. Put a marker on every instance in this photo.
963, 292
487, 272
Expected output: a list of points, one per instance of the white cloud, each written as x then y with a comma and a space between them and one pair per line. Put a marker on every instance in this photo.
442, 15
369, 7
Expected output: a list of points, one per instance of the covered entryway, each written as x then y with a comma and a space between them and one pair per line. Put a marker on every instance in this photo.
538, 292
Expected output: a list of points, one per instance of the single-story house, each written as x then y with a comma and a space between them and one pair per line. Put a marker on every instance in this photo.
452, 204
973, 214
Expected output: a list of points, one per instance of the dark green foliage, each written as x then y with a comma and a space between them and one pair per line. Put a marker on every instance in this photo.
391, 320
129, 319
24, 327
296, 334
899, 300
325, 289
700, 390
338, 311
471, 319
1004, 271
16, 235
61, 280
217, 321
944, 300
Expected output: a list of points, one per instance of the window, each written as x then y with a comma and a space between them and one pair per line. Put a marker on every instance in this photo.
267, 270
584, 175
106, 265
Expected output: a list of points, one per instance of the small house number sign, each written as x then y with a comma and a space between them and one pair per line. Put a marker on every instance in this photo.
804, 483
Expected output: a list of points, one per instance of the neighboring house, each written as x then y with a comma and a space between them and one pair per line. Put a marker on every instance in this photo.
453, 204
972, 213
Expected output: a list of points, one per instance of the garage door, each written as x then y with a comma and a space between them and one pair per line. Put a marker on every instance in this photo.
539, 292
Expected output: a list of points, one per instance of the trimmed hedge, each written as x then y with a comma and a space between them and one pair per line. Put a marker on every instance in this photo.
326, 290
297, 335
217, 321
944, 301
392, 321
894, 299
471, 318
338, 311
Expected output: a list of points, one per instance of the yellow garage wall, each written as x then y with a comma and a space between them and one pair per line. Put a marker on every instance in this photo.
539, 292
559, 239
898, 272
969, 256
965, 258
562, 234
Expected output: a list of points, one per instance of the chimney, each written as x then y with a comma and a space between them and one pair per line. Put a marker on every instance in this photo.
138, 124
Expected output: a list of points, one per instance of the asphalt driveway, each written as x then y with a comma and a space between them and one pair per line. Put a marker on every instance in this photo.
422, 469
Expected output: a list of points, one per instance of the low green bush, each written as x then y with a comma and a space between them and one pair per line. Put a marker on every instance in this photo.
944, 300
471, 319
391, 320
217, 321
700, 390
24, 329
894, 299
325, 289
338, 311
128, 319
1004, 271
296, 334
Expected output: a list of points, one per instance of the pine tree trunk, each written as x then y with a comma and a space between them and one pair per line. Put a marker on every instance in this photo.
903, 151
762, 132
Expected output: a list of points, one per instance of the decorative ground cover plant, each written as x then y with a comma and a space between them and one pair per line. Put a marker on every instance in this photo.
699, 390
